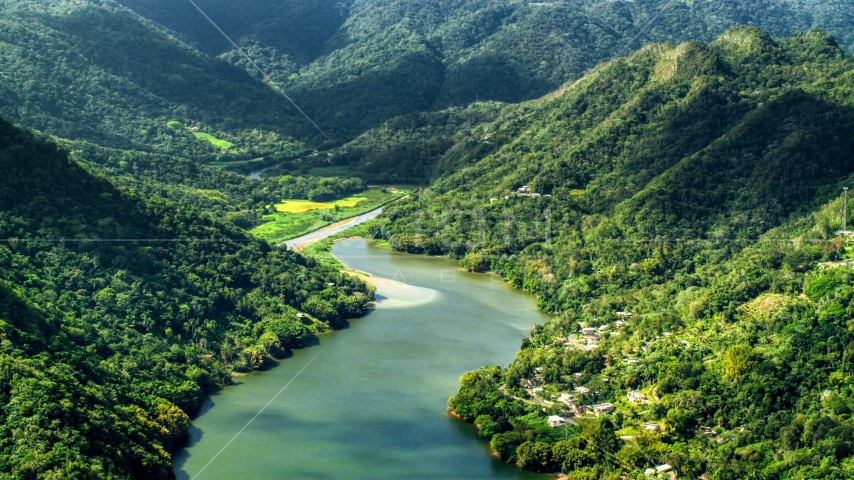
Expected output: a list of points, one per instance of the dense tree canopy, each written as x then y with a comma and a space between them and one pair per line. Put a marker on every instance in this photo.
695, 187
120, 310
142, 74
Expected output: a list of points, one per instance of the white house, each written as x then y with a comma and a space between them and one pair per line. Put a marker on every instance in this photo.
556, 421
651, 427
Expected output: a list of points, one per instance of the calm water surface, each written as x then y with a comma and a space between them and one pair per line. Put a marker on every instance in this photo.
369, 402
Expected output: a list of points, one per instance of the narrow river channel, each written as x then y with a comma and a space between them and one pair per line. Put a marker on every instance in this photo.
369, 402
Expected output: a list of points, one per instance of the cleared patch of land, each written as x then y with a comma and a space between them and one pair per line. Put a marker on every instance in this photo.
294, 218
301, 206
216, 142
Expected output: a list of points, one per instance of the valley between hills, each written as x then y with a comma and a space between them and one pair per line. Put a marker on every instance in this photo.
436, 239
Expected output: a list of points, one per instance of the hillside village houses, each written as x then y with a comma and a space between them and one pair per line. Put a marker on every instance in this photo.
525, 191
601, 408
636, 398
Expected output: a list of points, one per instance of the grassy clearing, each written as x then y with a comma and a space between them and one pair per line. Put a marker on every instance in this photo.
216, 142
294, 218
286, 227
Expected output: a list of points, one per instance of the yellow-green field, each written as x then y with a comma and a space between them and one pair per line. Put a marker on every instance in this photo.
302, 206
299, 217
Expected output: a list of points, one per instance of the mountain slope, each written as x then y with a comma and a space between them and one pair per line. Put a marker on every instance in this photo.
695, 187
365, 61
91, 72
119, 72
120, 310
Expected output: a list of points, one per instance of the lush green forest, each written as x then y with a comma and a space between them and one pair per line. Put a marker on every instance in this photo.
415, 149
356, 63
92, 71
228, 196
143, 75
682, 205
120, 308
692, 186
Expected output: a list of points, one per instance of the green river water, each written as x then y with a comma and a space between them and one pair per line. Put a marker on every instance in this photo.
369, 402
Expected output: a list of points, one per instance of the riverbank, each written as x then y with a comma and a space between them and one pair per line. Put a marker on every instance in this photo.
370, 401
300, 244
321, 251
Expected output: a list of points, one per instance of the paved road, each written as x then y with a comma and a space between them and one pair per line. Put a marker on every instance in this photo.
300, 243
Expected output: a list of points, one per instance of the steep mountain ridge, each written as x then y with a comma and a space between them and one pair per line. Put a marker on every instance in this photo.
681, 205
351, 65
488, 49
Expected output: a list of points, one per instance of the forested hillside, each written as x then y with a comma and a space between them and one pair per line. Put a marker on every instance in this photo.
356, 63
92, 71
120, 309
143, 74
681, 204
421, 147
